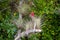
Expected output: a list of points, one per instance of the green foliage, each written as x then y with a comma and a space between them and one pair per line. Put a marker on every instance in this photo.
7, 29
47, 9
51, 19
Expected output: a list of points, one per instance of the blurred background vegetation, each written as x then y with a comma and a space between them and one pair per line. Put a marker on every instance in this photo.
49, 10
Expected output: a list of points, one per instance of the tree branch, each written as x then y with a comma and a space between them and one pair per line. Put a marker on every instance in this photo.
27, 33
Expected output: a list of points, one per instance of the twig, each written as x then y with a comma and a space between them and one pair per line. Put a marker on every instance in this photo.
4, 9
26, 33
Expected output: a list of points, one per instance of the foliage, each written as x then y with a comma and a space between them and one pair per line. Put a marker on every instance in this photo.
48, 10
7, 29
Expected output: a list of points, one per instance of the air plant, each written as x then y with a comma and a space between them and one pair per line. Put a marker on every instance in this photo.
28, 26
